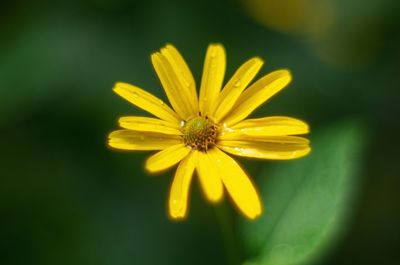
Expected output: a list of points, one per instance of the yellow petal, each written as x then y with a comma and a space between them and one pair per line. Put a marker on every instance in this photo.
208, 175
238, 185
131, 140
166, 158
276, 147
286, 139
179, 194
170, 84
263, 127
213, 76
146, 101
176, 89
256, 94
183, 76
235, 86
145, 124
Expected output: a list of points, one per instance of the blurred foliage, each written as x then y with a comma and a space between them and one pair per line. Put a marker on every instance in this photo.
307, 202
66, 199
344, 34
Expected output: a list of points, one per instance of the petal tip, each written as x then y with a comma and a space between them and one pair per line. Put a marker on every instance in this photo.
308, 150
215, 198
254, 216
155, 56
218, 46
177, 215
255, 213
287, 74
258, 60
149, 168
302, 153
117, 86
167, 48
307, 128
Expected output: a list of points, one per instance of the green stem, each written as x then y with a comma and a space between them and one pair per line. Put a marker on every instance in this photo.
227, 227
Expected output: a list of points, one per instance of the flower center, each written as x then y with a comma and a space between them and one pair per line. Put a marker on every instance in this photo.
199, 133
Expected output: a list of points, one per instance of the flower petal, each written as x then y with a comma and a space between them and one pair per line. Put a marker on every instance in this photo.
146, 101
131, 140
177, 91
257, 94
235, 86
238, 185
263, 127
183, 75
166, 158
179, 194
213, 76
208, 175
276, 147
145, 124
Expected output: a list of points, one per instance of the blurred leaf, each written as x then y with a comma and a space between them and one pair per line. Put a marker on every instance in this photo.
306, 201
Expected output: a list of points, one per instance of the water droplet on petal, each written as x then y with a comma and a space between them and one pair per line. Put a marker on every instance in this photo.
185, 82
226, 128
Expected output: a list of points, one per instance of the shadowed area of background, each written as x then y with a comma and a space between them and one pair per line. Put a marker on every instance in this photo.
65, 198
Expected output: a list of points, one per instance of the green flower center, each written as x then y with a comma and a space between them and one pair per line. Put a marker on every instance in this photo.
199, 133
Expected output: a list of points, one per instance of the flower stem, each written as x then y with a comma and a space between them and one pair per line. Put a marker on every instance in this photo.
227, 227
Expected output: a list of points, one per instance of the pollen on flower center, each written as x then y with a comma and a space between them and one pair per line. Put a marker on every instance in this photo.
199, 133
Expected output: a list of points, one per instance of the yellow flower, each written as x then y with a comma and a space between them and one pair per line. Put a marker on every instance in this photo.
197, 133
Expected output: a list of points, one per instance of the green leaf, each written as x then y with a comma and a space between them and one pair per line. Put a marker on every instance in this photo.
306, 201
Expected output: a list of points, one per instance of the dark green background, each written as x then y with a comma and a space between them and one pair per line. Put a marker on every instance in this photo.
67, 199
